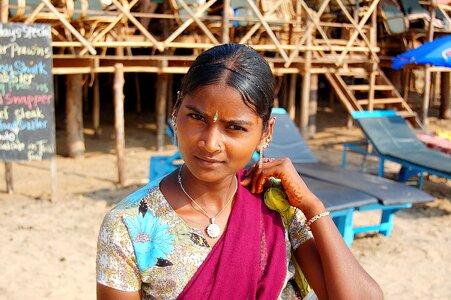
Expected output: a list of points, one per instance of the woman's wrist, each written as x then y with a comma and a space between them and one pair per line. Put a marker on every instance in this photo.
311, 206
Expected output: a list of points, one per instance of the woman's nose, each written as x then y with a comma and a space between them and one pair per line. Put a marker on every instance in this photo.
211, 140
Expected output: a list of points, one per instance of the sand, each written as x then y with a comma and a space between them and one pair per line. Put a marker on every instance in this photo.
48, 247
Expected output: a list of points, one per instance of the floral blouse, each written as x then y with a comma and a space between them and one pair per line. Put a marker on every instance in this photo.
144, 245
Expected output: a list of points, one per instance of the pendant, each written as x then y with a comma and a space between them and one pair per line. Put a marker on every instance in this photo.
213, 230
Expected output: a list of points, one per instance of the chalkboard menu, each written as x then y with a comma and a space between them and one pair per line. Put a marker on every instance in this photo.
27, 121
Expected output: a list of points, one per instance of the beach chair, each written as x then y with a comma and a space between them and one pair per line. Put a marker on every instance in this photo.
394, 20
394, 140
340, 200
391, 196
415, 12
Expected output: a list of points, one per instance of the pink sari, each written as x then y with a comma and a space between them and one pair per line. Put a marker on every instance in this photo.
249, 261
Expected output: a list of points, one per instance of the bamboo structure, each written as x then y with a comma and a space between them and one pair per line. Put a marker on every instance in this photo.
334, 38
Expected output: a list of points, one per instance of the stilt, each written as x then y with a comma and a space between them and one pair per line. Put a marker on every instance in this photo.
138, 94
74, 116
445, 92
426, 95
53, 178
292, 96
96, 107
119, 120
162, 93
305, 97
9, 177
225, 22
4, 10
313, 105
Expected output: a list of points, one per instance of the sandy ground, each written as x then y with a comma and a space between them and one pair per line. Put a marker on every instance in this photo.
48, 248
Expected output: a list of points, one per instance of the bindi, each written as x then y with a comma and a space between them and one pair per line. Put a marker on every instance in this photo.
215, 117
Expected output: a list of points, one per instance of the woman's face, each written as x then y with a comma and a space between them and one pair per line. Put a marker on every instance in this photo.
217, 133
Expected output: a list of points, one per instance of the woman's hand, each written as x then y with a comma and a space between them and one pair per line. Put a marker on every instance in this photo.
296, 190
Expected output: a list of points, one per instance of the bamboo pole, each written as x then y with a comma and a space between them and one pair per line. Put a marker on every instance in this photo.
69, 27
372, 83
8, 165
426, 95
4, 10
74, 116
9, 177
53, 178
305, 96
138, 25
162, 90
96, 107
226, 22
313, 104
445, 92
138, 94
119, 120
292, 96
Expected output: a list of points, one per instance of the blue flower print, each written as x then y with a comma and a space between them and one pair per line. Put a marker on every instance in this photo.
150, 239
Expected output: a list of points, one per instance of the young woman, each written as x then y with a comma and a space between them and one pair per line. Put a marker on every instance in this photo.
203, 231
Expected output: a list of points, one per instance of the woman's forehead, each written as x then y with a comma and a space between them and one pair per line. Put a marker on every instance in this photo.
218, 97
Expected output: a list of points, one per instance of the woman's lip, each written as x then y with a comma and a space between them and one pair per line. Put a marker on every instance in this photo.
209, 160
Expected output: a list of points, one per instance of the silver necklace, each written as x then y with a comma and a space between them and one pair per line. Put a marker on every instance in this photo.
213, 230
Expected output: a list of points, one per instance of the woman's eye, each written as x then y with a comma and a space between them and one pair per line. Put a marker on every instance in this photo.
236, 127
197, 117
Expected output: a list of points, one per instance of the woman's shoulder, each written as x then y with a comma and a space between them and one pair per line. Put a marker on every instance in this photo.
130, 205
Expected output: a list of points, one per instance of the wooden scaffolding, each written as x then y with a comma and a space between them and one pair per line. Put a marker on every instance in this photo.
336, 38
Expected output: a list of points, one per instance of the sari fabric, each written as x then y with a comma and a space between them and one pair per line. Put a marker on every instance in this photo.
249, 261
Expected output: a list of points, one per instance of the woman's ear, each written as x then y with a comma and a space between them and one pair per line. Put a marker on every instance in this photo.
267, 133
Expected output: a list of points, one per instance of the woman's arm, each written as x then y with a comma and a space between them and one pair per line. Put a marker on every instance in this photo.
326, 261
107, 293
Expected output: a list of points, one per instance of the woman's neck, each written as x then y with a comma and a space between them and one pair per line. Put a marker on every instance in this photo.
212, 195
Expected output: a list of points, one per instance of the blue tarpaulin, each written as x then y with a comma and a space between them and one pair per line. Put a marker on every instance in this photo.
434, 53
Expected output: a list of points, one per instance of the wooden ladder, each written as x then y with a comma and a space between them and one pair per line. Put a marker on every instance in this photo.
352, 86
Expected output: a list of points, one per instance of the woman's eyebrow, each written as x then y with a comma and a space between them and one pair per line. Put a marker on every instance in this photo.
239, 122
195, 109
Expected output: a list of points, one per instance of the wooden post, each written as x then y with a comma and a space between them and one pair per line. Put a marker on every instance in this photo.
74, 115
4, 10
292, 96
426, 95
313, 104
305, 96
53, 177
138, 94
162, 94
96, 107
170, 97
119, 120
445, 92
372, 84
9, 177
374, 66
226, 22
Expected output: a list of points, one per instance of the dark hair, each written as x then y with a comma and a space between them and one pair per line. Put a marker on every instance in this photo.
242, 68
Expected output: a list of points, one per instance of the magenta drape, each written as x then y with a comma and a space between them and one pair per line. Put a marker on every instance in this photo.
249, 261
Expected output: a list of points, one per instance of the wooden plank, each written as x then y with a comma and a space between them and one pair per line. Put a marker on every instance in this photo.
380, 101
366, 87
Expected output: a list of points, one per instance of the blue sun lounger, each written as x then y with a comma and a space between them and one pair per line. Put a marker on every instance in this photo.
392, 139
340, 199
390, 195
